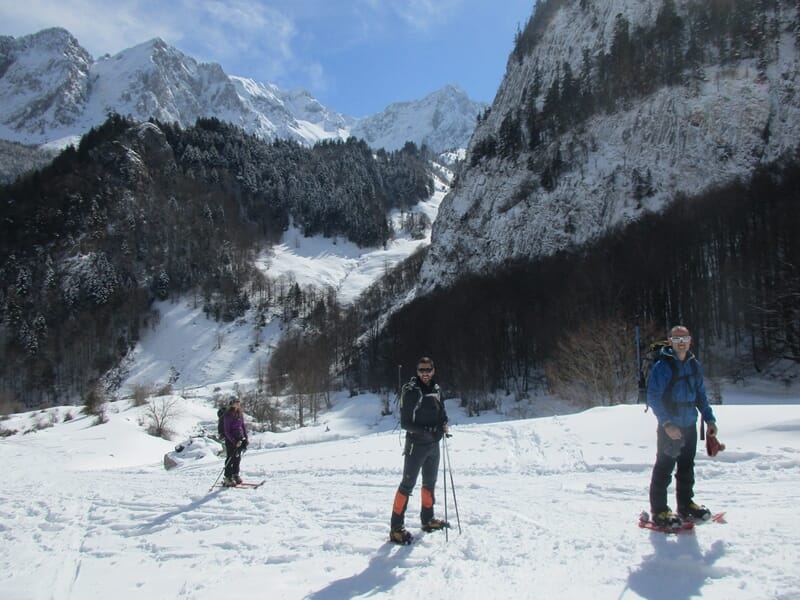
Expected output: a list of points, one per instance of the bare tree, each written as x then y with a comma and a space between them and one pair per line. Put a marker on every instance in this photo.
140, 393
595, 365
263, 409
160, 414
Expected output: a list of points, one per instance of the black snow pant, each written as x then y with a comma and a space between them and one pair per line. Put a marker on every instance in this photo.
418, 457
672, 453
233, 458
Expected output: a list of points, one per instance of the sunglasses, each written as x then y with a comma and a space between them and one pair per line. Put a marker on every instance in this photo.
425, 370
680, 338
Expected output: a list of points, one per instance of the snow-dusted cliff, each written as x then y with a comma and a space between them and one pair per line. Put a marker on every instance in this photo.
727, 120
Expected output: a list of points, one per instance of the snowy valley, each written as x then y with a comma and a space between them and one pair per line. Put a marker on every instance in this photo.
547, 508
543, 496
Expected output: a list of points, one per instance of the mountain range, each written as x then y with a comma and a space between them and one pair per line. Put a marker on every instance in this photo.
52, 91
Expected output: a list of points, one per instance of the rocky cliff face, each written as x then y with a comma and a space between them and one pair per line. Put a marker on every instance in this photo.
723, 118
45, 80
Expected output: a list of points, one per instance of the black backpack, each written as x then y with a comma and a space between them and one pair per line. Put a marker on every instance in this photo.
650, 357
220, 423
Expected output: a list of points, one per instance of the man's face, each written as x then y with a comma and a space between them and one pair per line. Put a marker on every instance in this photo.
425, 372
680, 340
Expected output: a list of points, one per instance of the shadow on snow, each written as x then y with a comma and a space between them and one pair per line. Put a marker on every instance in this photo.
378, 577
678, 568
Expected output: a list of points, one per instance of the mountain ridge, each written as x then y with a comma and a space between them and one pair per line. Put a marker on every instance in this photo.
52, 91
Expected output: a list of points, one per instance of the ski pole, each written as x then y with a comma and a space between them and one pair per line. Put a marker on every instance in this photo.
225, 466
452, 485
444, 477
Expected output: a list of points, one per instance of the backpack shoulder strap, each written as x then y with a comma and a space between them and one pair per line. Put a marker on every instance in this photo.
673, 369
409, 386
693, 362
666, 398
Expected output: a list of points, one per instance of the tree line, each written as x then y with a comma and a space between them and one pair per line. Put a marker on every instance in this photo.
726, 264
144, 211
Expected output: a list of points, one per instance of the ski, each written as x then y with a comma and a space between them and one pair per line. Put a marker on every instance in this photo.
646, 523
250, 485
685, 527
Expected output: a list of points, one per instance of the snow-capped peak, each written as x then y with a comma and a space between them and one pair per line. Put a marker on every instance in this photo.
443, 120
52, 91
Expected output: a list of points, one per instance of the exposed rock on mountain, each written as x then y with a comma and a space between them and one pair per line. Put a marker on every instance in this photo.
610, 110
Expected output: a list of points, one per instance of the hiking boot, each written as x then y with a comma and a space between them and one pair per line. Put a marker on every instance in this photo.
400, 536
434, 525
228, 482
668, 519
237, 479
694, 512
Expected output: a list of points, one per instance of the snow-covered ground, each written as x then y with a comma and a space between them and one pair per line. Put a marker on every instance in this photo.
547, 509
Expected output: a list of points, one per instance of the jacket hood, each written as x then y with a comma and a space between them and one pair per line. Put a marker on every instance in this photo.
668, 352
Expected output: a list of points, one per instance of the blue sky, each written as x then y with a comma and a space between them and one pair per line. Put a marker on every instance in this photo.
355, 56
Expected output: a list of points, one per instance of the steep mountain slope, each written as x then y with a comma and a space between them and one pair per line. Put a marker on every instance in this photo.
44, 84
539, 180
144, 210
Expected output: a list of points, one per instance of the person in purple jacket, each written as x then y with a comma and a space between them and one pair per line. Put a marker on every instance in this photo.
235, 441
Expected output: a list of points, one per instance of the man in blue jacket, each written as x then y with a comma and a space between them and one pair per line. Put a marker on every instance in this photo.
676, 393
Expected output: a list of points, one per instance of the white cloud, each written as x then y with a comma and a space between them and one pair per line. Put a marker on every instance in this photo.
280, 41
426, 14
211, 31
237, 31
421, 15
100, 26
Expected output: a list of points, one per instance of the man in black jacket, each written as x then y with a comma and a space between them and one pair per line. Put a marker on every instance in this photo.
423, 416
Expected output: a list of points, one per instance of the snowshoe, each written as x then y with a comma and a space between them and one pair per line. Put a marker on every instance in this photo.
435, 525
694, 512
400, 536
671, 527
667, 519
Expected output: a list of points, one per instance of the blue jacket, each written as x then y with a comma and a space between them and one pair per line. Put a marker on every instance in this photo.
688, 391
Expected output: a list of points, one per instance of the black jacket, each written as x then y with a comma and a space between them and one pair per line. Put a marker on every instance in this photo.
422, 412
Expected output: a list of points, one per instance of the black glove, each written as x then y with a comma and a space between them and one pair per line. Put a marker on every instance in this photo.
244, 444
